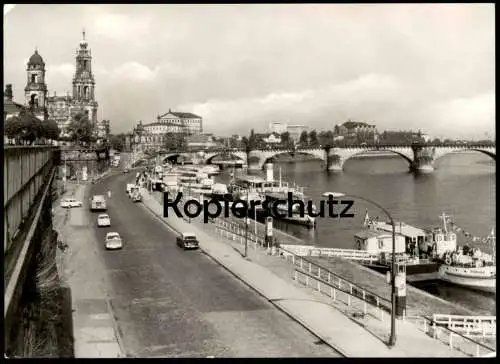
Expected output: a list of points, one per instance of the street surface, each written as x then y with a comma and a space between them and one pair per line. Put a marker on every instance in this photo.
174, 303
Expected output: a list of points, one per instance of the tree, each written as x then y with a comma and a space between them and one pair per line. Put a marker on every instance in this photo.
285, 139
51, 130
313, 138
175, 141
303, 139
252, 141
24, 127
117, 142
325, 137
81, 129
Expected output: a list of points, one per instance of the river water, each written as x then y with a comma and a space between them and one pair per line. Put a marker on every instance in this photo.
463, 185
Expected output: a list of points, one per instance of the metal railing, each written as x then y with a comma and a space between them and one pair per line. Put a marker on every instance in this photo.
322, 277
454, 339
362, 301
479, 326
358, 299
328, 277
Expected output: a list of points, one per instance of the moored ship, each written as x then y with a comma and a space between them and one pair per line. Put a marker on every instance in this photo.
272, 190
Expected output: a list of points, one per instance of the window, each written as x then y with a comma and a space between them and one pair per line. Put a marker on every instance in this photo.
33, 78
380, 243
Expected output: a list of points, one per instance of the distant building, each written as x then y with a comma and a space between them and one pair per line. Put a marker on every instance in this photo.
276, 127
179, 122
378, 241
295, 131
103, 128
63, 108
201, 141
352, 129
273, 138
10, 108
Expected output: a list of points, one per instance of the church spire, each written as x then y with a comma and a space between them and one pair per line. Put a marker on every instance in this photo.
83, 33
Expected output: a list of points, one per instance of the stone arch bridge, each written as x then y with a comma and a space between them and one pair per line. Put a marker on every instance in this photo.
420, 157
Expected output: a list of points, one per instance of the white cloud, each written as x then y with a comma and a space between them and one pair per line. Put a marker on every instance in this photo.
135, 71
475, 115
371, 90
119, 27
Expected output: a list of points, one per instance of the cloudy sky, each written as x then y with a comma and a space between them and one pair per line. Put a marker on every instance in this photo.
241, 66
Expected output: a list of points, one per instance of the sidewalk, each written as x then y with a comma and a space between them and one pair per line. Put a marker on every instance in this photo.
94, 329
328, 323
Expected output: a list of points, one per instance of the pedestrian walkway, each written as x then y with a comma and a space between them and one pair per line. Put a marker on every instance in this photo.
81, 268
328, 323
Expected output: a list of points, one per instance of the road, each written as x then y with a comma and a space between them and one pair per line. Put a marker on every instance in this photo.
173, 303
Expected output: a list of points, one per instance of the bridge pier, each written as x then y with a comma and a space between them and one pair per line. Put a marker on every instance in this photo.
423, 159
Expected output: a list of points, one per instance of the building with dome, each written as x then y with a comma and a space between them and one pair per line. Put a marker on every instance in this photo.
35, 92
62, 108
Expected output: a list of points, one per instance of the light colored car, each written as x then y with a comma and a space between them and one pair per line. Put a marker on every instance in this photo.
103, 220
71, 202
113, 241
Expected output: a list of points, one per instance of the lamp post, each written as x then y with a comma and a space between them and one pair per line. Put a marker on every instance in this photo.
246, 228
392, 339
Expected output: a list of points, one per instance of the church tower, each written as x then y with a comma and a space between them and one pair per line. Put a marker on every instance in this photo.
35, 92
84, 83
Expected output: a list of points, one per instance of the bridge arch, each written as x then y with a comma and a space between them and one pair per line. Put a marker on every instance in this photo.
490, 152
402, 154
209, 159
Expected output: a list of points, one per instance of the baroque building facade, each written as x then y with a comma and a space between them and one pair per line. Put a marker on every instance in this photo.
62, 108
153, 136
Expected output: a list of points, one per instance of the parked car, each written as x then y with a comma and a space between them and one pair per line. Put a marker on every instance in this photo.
113, 241
125, 170
71, 202
103, 220
188, 241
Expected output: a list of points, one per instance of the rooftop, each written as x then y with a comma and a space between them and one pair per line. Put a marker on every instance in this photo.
182, 115
403, 229
367, 234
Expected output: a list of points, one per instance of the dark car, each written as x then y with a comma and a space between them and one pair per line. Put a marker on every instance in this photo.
187, 241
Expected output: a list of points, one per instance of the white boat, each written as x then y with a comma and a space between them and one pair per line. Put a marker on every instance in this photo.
272, 189
470, 268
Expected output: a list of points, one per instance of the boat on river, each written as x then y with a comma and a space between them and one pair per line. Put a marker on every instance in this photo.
270, 189
432, 251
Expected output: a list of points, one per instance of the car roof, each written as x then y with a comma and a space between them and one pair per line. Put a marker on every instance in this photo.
188, 235
103, 215
112, 234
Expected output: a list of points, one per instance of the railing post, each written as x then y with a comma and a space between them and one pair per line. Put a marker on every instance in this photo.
477, 350
451, 340
329, 277
310, 268
364, 305
307, 281
319, 272
319, 286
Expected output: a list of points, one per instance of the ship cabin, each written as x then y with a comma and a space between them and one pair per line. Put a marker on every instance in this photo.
261, 185
378, 242
446, 241
417, 241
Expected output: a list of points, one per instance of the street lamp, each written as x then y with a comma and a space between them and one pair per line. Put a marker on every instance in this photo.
246, 228
392, 339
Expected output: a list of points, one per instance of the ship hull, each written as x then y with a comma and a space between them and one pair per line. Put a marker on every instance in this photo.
468, 278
